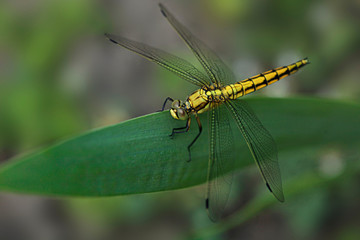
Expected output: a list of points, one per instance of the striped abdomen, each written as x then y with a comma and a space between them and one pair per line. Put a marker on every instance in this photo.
261, 80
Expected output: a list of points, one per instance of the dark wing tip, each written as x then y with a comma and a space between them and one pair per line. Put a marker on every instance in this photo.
268, 186
212, 216
279, 196
162, 10
207, 203
109, 36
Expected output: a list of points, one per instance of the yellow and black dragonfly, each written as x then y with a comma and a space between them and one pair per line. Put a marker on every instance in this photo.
218, 95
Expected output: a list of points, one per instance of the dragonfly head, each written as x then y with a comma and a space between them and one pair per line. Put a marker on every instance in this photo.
178, 110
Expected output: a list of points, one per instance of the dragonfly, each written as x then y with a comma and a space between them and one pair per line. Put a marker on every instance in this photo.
218, 95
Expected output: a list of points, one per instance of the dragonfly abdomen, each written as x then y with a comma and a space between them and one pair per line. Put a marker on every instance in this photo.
262, 80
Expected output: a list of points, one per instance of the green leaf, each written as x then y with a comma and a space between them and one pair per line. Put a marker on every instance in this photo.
138, 156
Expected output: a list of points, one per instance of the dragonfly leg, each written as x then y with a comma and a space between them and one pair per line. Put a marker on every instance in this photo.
176, 130
197, 136
166, 100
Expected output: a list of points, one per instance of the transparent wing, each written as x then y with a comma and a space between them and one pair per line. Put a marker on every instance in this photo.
261, 144
221, 161
179, 66
217, 70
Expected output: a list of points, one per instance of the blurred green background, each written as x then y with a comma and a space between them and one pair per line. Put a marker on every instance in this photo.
59, 77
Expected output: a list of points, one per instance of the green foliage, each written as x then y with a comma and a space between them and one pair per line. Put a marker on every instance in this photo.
138, 156
59, 77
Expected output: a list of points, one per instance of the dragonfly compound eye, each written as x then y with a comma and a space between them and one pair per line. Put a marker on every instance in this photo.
182, 114
176, 104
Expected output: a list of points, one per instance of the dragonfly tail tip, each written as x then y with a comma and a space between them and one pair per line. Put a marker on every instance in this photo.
307, 60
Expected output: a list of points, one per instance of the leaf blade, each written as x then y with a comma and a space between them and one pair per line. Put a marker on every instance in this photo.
137, 156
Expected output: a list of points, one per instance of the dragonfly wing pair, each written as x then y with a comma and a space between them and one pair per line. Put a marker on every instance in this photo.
261, 144
177, 65
216, 69
221, 158
222, 154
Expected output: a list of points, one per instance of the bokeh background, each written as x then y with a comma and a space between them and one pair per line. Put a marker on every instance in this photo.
59, 77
